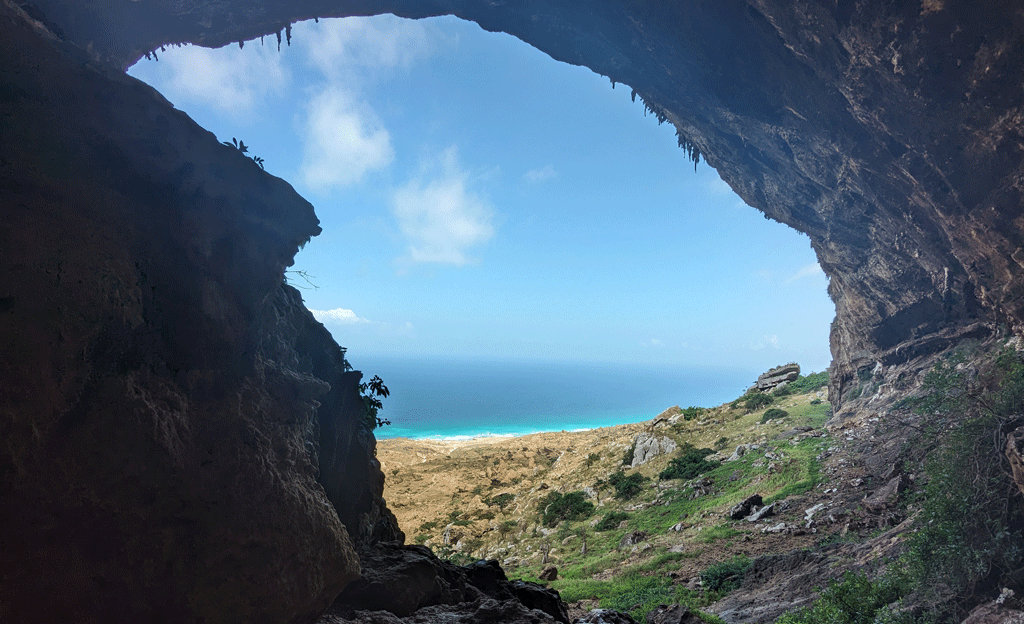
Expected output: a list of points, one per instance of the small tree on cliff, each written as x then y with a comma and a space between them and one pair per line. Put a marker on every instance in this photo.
372, 393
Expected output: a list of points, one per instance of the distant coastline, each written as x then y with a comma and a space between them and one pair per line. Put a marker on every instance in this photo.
467, 399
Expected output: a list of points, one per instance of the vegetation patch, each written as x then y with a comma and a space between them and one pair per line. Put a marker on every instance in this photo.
627, 486
611, 520
725, 576
691, 463
556, 507
773, 413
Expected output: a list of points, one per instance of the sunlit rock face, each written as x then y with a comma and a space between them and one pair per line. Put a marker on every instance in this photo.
180, 439
890, 133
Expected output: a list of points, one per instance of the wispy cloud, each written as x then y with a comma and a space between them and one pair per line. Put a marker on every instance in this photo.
230, 80
766, 342
653, 342
809, 271
534, 176
356, 48
343, 142
344, 137
338, 316
440, 216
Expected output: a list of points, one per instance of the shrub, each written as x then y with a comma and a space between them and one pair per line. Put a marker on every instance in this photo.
725, 576
690, 463
593, 458
855, 599
755, 401
721, 443
556, 507
627, 457
611, 520
693, 412
626, 487
501, 500
772, 414
808, 383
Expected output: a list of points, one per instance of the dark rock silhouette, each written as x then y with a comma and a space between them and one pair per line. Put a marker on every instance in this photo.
182, 442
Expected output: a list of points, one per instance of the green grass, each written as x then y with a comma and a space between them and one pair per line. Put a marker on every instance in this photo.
718, 532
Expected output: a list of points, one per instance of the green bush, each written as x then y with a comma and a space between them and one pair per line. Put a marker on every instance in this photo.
772, 414
556, 507
626, 487
611, 520
693, 412
725, 576
808, 383
627, 457
593, 458
855, 599
721, 443
501, 500
755, 401
690, 463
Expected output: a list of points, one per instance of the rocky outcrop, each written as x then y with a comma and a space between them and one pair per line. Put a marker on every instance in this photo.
405, 580
776, 377
647, 446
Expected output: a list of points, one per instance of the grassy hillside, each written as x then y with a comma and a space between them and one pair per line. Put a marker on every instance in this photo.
623, 538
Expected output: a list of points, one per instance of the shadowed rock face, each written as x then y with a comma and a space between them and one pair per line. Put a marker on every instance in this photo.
180, 439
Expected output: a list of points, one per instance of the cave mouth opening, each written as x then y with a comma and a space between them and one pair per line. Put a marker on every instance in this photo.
482, 203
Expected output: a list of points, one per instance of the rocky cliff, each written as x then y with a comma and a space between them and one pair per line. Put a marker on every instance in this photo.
181, 439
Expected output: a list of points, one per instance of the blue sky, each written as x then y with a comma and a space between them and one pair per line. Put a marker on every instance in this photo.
481, 200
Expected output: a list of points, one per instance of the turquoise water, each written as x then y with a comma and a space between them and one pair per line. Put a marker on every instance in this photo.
451, 399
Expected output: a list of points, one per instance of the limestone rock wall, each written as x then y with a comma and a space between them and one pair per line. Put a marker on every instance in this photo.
166, 403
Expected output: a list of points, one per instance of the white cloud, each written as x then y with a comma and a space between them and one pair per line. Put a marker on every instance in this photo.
765, 342
339, 316
442, 218
653, 342
539, 175
352, 47
811, 270
343, 141
230, 80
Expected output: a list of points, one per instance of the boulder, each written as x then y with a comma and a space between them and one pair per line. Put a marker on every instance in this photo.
632, 539
605, 616
885, 497
403, 580
743, 509
647, 446
549, 573
763, 512
777, 376
672, 614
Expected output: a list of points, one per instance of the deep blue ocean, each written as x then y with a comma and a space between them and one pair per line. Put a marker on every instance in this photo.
433, 398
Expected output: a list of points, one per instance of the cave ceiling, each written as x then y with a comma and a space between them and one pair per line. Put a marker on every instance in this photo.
891, 133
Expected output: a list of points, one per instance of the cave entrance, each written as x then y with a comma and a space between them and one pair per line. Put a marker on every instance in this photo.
482, 202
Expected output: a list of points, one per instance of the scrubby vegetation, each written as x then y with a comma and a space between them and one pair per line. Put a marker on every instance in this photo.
773, 413
969, 537
611, 520
727, 575
627, 486
691, 463
556, 507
